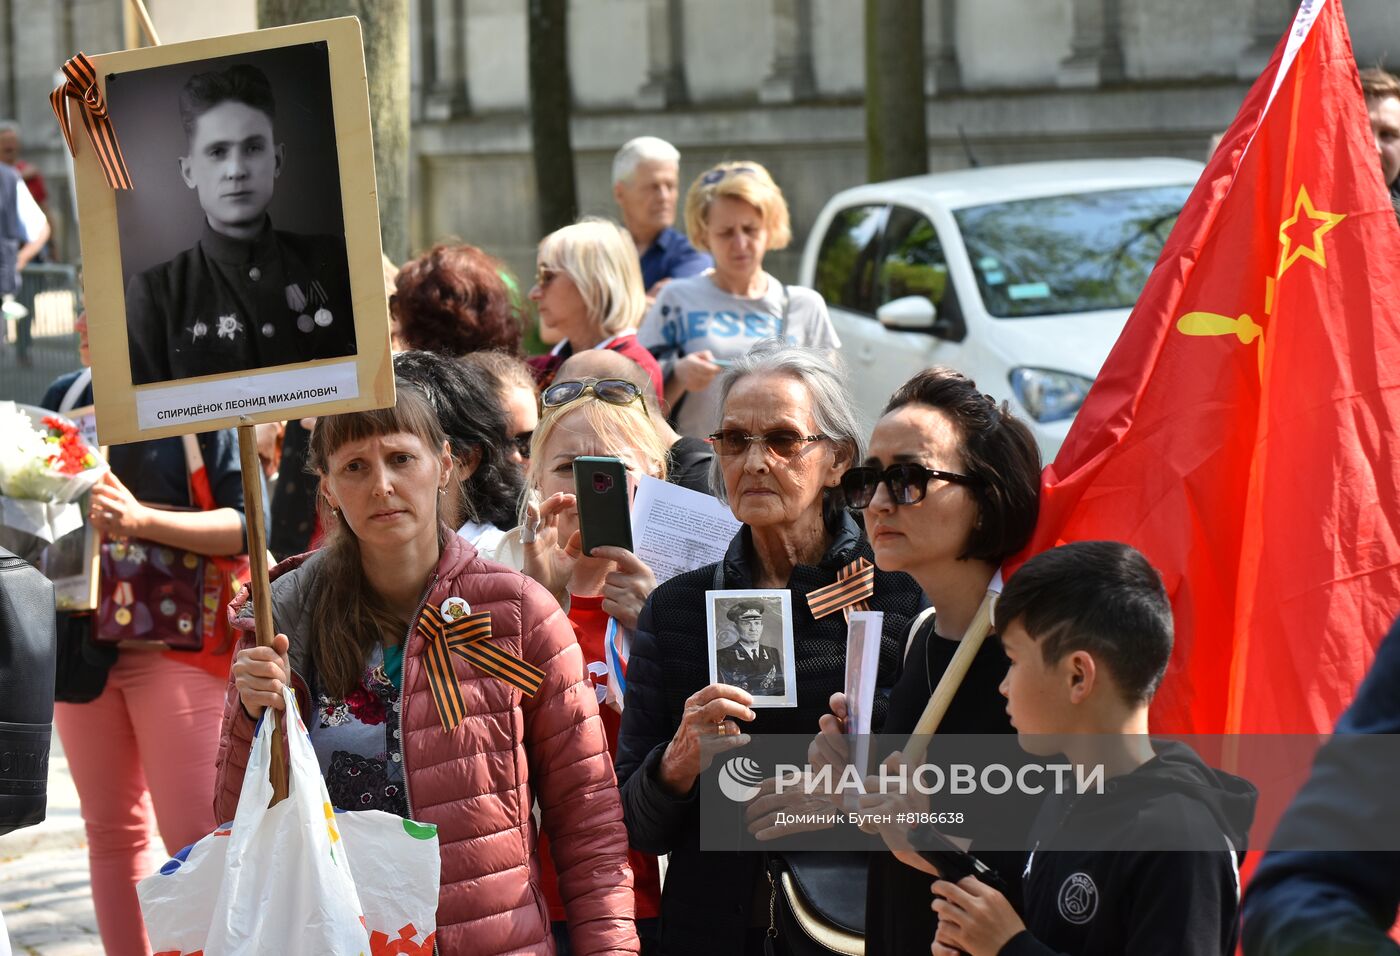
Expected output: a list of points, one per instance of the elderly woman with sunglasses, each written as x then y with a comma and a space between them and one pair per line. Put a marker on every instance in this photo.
590, 417
700, 324
950, 489
588, 293
786, 434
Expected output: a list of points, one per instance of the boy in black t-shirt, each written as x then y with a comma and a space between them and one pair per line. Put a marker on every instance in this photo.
1087, 629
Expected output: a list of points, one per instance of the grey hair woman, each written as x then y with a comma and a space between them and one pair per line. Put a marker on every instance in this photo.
786, 435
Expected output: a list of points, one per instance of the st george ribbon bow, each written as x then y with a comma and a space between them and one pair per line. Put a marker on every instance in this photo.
855, 585
81, 85
468, 637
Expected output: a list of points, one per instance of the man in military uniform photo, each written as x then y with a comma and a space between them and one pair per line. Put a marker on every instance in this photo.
748, 663
246, 295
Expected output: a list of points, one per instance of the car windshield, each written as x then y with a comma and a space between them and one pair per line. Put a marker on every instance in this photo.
1076, 253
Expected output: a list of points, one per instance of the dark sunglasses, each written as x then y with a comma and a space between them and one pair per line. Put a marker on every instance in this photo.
614, 391
522, 443
716, 175
783, 442
907, 482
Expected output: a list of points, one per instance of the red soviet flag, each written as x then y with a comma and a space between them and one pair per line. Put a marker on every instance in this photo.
1244, 431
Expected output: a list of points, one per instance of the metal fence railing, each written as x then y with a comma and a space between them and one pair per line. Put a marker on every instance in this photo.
40, 346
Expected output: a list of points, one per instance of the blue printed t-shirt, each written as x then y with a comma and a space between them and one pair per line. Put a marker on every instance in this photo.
692, 315
358, 739
671, 256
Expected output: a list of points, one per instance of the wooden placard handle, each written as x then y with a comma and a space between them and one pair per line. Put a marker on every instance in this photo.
259, 585
954, 673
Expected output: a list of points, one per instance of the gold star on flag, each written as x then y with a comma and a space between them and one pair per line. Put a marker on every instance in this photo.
1307, 218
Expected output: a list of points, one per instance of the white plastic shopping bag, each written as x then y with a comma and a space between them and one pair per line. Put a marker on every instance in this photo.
282, 879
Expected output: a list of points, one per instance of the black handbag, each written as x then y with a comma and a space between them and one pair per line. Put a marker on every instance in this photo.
816, 904
81, 664
26, 704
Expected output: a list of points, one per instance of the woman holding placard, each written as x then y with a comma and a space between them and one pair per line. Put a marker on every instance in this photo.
786, 435
950, 489
468, 740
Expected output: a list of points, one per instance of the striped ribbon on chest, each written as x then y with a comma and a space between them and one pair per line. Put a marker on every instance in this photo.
854, 586
468, 637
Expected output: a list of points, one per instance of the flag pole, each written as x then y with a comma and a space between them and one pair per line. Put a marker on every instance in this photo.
143, 17
261, 588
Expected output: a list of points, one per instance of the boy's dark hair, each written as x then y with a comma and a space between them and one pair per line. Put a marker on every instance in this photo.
1096, 596
241, 83
997, 448
464, 397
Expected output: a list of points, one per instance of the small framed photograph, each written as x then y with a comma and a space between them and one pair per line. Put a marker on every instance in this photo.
240, 279
750, 642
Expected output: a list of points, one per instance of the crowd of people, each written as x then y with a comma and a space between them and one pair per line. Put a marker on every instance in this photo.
557, 795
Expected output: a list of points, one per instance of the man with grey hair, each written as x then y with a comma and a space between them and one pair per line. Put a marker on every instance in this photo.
646, 184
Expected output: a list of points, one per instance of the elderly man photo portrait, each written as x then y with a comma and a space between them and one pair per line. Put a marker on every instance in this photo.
748, 663
246, 295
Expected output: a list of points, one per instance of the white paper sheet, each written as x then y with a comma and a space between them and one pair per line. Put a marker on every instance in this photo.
675, 529
863, 632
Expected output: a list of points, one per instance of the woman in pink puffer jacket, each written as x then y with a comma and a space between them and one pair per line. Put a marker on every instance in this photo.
357, 620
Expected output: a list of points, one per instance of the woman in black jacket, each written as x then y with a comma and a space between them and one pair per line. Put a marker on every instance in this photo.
786, 435
950, 489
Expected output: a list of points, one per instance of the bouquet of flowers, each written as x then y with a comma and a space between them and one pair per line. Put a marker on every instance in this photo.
45, 467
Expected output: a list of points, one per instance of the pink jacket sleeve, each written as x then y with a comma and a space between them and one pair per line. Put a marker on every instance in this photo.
572, 777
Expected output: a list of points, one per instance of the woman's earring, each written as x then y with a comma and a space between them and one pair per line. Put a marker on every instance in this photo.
442, 491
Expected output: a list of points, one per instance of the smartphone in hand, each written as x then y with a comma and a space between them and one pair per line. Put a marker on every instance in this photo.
604, 506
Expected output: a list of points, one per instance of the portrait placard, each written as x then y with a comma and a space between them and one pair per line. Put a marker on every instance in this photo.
751, 644
240, 279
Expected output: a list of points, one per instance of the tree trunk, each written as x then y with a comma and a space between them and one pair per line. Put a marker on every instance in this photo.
550, 101
385, 27
896, 132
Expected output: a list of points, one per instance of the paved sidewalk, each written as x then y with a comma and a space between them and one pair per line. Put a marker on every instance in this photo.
45, 896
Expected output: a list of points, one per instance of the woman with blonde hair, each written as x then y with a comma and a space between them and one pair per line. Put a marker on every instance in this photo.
700, 325
471, 748
589, 295
598, 417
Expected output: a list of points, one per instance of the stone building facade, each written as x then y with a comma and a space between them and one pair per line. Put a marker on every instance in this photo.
779, 81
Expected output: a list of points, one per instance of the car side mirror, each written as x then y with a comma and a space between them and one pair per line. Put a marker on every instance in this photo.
912, 313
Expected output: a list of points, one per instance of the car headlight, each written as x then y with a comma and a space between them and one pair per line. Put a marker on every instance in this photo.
1049, 396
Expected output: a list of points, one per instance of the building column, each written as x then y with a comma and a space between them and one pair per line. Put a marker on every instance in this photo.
942, 73
1268, 20
445, 59
665, 85
791, 77
1096, 50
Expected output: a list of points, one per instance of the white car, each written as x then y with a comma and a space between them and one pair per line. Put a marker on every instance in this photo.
1019, 276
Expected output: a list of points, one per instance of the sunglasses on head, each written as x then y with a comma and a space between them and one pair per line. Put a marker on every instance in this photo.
906, 481
716, 175
783, 442
614, 391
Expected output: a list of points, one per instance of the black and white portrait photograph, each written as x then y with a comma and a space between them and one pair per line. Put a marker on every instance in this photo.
240, 278
751, 644
233, 239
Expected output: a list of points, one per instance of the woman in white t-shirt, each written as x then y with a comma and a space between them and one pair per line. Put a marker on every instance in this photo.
698, 325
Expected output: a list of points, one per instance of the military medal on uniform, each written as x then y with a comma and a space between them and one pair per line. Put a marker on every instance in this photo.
310, 306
